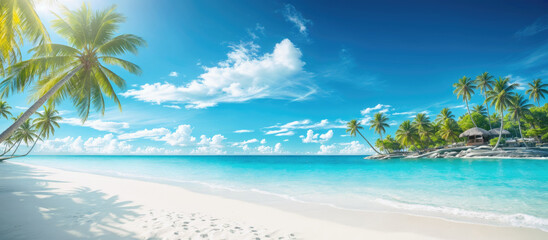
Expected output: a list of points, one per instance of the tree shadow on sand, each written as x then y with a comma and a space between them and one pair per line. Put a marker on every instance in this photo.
26, 198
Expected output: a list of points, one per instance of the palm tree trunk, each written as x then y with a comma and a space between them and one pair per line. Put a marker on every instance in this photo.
33, 145
14, 151
7, 133
488, 115
470, 114
6, 151
500, 129
368, 142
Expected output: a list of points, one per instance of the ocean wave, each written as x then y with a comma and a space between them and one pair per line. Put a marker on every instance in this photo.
516, 220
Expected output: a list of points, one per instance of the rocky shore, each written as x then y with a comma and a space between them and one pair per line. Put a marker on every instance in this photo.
472, 152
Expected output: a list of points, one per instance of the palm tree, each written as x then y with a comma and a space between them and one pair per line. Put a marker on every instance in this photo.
354, 127
26, 133
444, 115
423, 125
485, 83
379, 123
537, 90
407, 134
45, 123
4, 109
518, 108
18, 21
449, 130
76, 71
500, 97
465, 88
481, 110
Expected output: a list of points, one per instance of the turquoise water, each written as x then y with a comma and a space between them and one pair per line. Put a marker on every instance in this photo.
497, 191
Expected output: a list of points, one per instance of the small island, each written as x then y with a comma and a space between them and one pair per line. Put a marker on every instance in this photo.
517, 129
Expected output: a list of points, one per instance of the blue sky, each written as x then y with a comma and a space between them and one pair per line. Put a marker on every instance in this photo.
282, 77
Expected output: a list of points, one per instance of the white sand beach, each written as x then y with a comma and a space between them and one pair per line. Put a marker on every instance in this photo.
45, 203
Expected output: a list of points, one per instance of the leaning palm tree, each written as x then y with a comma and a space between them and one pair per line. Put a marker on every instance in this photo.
379, 123
423, 125
500, 97
518, 108
354, 127
45, 124
444, 115
465, 88
77, 71
481, 110
18, 21
4, 109
406, 134
485, 83
536, 90
25, 134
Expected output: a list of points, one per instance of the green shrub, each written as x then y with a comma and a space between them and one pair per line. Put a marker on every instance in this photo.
493, 141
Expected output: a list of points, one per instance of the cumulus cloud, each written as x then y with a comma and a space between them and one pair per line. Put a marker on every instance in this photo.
354, 147
292, 15
263, 141
327, 149
316, 138
213, 145
243, 77
263, 149
156, 151
181, 136
107, 144
97, 124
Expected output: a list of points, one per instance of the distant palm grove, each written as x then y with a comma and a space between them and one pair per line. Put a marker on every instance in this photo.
502, 106
55, 72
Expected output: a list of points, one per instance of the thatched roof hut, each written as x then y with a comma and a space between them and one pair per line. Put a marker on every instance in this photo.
496, 132
476, 136
475, 132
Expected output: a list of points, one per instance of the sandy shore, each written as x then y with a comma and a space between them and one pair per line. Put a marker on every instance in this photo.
44, 203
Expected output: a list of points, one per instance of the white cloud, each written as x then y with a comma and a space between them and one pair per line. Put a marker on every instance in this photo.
292, 15
315, 138
107, 144
172, 106
355, 147
156, 151
284, 130
286, 140
263, 149
519, 80
97, 124
382, 107
181, 136
327, 149
243, 131
263, 141
244, 144
213, 145
243, 77
61, 145
289, 133
173, 74
154, 133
